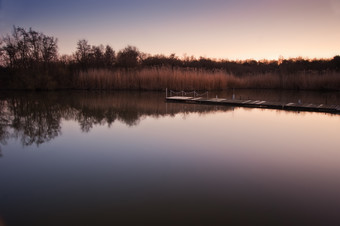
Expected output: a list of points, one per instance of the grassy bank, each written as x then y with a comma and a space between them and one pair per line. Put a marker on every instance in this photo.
190, 79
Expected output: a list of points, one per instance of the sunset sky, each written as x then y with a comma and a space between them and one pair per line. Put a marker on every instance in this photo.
229, 29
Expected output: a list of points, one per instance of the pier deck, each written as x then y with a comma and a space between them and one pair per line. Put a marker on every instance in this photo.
335, 109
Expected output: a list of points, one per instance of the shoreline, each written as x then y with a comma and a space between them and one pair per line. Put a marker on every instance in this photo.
158, 79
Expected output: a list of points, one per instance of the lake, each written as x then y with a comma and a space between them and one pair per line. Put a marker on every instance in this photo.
130, 158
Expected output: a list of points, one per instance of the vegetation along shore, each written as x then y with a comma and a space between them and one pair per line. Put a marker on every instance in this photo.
30, 60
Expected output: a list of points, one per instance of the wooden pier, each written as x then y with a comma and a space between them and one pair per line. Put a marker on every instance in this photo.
335, 109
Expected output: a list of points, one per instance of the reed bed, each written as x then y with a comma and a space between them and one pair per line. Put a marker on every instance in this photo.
190, 79
298, 81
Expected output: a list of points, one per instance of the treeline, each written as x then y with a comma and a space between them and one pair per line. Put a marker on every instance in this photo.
30, 60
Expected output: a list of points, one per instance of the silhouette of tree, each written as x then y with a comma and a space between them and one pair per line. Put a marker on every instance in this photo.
27, 49
128, 57
49, 49
83, 52
336, 63
10, 49
97, 58
2, 53
23, 45
35, 44
109, 57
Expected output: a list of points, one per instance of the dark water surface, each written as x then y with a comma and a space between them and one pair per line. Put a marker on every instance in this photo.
88, 158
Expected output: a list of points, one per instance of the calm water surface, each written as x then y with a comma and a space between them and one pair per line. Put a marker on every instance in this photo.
87, 158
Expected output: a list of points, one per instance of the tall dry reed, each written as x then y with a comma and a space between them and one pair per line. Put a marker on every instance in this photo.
190, 79
152, 79
298, 81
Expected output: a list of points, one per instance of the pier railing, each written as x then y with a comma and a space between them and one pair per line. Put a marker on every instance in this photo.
183, 93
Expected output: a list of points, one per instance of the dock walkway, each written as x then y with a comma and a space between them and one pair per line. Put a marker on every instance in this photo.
335, 109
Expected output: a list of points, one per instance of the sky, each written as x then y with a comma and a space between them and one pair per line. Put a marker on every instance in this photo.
218, 29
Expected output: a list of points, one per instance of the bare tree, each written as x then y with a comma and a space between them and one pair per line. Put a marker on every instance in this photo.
109, 56
35, 39
23, 45
98, 56
10, 48
2, 53
24, 49
49, 49
83, 52
128, 57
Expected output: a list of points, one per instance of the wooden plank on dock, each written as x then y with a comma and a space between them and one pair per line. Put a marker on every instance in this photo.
259, 104
179, 98
215, 100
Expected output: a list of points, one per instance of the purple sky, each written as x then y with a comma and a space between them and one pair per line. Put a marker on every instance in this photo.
230, 29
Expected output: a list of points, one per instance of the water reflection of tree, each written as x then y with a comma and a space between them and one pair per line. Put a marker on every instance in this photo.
34, 121
36, 118
4, 124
